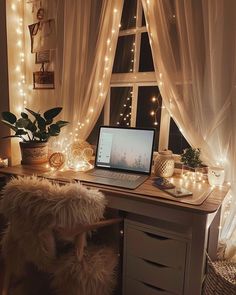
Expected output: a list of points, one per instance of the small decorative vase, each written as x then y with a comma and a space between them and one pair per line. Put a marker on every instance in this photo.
33, 153
164, 164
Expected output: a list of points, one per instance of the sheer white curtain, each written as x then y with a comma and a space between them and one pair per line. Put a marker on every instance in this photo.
193, 45
91, 30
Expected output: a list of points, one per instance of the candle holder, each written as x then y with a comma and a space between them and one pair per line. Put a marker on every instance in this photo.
216, 176
3, 162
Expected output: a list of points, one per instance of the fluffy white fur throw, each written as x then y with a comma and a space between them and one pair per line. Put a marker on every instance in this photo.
34, 208
51, 204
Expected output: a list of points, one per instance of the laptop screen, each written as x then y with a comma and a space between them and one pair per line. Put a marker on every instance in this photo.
129, 149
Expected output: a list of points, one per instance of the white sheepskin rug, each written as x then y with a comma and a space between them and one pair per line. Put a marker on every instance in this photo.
35, 207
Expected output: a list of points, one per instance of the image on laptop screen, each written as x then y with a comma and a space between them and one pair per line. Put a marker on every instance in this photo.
125, 149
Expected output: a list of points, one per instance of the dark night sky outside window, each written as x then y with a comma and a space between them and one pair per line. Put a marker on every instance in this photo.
145, 106
177, 142
124, 54
120, 106
146, 61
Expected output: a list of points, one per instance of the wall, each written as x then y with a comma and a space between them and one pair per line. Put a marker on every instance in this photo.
17, 65
5, 149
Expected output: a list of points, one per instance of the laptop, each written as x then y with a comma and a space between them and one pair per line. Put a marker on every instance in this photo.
123, 156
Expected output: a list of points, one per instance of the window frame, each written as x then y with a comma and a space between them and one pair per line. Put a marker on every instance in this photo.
136, 79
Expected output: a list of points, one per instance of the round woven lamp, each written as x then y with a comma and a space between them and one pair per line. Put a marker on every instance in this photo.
164, 164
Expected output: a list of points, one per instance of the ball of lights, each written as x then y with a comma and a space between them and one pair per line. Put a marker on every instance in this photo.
56, 160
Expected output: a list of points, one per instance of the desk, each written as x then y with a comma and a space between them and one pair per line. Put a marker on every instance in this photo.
164, 240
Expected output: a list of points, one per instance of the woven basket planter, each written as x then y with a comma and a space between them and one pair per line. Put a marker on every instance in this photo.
220, 278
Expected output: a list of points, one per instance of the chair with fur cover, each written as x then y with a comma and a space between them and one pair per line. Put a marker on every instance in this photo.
47, 234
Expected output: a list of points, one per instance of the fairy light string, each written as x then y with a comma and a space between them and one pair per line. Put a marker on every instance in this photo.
17, 8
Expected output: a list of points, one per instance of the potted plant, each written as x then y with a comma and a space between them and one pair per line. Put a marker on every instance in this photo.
191, 157
193, 164
34, 132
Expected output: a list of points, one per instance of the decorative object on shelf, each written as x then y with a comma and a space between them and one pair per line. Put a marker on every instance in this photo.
3, 162
164, 164
57, 160
216, 176
79, 155
34, 133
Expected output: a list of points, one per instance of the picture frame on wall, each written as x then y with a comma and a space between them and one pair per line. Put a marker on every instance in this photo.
43, 80
42, 57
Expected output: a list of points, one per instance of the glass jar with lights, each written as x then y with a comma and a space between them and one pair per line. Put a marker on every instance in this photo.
164, 164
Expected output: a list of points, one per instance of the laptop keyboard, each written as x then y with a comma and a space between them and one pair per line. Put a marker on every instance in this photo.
115, 175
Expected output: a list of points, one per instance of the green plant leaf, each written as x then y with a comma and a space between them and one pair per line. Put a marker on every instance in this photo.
54, 130
22, 123
9, 125
9, 117
24, 115
49, 121
52, 113
31, 126
33, 113
21, 132
42, 136
61, 123
41, 123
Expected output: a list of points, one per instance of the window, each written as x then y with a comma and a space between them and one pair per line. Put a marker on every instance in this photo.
134, 98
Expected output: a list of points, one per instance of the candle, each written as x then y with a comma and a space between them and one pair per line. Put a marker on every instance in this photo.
3, 162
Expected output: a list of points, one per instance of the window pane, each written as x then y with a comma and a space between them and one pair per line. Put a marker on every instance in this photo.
93, 136
146, 62
124, 57
143, 19
149, 109
128, 19
120, 106
177, 142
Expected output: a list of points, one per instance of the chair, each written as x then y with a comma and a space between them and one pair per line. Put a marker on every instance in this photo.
48, 239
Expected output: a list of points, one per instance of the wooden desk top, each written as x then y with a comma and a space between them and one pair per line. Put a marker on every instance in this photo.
203, 201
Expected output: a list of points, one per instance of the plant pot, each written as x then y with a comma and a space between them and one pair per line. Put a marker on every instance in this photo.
34, 152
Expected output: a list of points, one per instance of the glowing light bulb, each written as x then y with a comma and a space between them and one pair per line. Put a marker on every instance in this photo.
154, 99
152, 113
13, 6
18, 31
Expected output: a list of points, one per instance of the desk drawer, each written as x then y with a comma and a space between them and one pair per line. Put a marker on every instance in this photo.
164, 277
156, 248
140, 288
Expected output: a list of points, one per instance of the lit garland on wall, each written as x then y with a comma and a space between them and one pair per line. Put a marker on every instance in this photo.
17, 8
